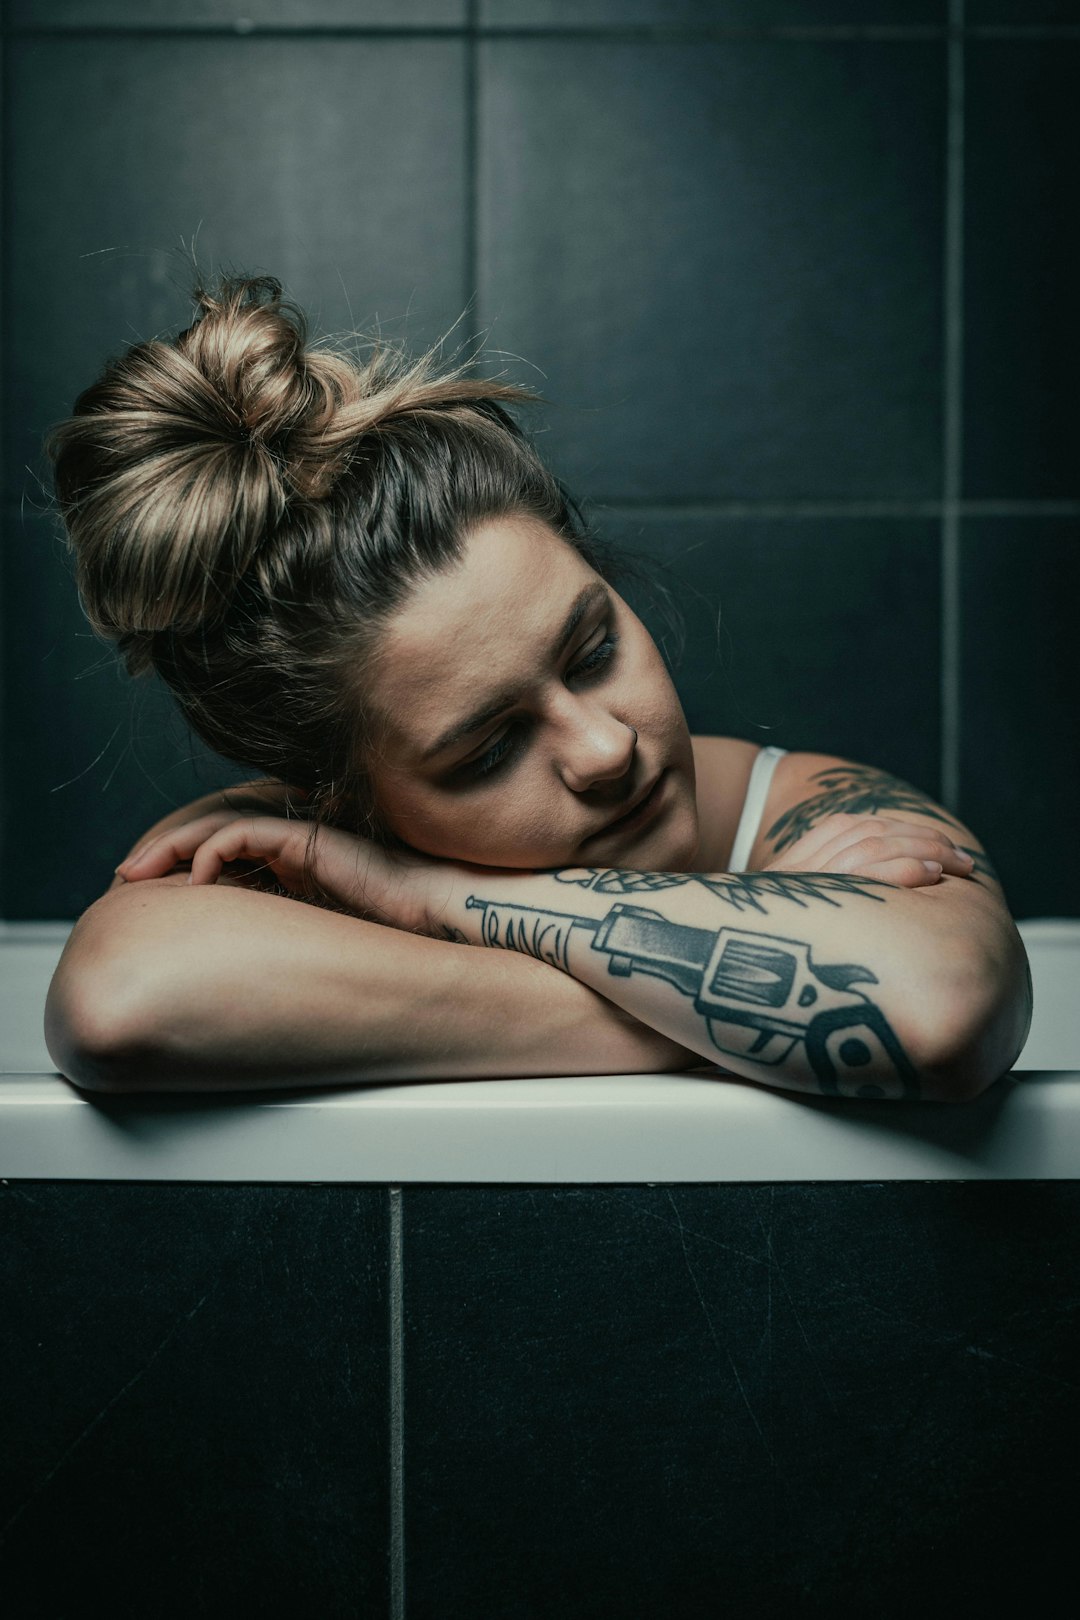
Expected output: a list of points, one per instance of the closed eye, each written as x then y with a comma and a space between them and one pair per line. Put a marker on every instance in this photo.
504, 745
600, 655
510, 741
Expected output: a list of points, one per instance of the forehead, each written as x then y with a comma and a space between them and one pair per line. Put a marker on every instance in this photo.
485, 624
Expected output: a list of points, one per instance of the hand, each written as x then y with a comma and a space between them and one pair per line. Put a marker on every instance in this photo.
399, 887
883, 847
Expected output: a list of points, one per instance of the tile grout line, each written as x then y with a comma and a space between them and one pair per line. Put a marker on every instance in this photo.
471, 160
952, 411
677, 507
5, 542
680, 506
644, 33
397, 1411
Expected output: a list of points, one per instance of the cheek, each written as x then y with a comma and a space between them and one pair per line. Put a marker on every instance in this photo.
657, 704
507, 824
654, 695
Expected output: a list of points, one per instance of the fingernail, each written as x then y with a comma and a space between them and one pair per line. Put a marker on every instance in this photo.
933, 867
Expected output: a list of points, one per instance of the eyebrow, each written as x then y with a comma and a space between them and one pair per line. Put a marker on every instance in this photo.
585, 599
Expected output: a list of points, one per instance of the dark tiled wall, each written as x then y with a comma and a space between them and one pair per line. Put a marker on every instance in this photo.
799, 279
800, 1401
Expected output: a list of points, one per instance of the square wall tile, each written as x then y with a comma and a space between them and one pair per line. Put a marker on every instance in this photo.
89, 759
237, 14
335, 165
194, 1400
810, 633
1020, 718
1021, 268
763, 1401
723, 258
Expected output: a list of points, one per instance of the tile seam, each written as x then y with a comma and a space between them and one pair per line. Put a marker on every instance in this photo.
397, 1409
827, 509
952, 411
471, 158
644, 34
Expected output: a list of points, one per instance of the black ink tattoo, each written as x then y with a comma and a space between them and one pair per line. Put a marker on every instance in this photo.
758, 996
743, 891
863, 790
858, 790
980, 862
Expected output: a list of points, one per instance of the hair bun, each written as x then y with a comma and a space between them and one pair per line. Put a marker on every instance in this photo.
180, 461
250, 343
178, 465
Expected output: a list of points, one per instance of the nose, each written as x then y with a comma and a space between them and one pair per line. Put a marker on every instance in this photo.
597, 747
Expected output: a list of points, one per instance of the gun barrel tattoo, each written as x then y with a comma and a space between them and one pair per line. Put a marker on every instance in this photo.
759, 996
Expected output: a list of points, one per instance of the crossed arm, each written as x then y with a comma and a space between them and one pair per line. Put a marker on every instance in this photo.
830, 981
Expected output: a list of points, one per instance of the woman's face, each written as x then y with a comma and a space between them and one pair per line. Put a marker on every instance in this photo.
523, 710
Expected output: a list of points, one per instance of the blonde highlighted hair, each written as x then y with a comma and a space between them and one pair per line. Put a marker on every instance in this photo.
247, 510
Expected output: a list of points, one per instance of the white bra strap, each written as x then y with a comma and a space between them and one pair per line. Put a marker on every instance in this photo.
753, 806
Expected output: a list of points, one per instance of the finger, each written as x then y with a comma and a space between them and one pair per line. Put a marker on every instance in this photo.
906, 872
836, 832
879, 845
207, 864
238, 841
178, 844
881, 838
823, 849
832, 828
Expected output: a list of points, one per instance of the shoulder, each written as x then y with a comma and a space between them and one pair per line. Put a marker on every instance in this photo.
722, 766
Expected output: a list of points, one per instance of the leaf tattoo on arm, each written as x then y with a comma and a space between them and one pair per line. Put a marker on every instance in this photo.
863, 790
743, 891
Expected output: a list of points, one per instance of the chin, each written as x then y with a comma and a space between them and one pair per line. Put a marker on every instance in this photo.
670, 847
680, 852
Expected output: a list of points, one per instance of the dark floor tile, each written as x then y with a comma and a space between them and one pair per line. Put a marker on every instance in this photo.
724, 258
336, 165
1020, 759
194, 1400
811, 633
90, 759
788, 1401
709, 13
299, 14
1022, 263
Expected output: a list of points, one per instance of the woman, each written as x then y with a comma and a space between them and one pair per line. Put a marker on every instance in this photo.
362, 582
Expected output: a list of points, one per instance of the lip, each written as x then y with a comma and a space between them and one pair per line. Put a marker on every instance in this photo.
641, 811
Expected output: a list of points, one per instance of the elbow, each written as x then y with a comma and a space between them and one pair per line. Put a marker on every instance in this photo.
986, 1022
96, 1029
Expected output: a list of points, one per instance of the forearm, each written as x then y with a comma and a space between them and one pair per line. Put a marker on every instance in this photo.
819, 983
165, 987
